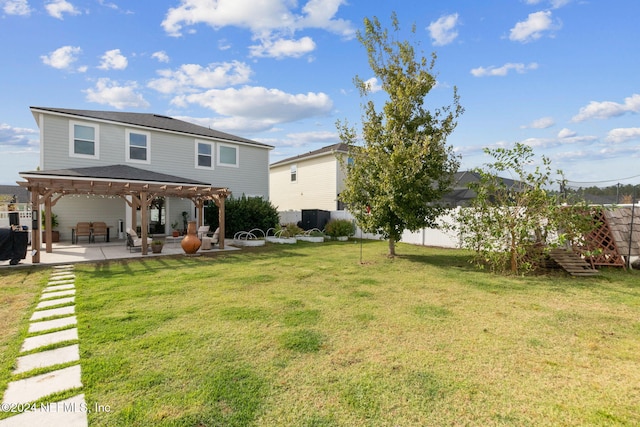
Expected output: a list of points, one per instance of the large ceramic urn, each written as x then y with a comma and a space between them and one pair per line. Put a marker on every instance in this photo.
191, 243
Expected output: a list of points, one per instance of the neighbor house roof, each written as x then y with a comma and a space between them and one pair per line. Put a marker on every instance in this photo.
151, 121
335, 148
22, 194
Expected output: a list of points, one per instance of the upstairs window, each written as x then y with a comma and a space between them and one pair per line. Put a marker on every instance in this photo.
227, 155
138, 146
204, 155
294, 173
84, 140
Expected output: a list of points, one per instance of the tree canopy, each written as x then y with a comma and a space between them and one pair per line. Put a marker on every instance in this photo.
397, 177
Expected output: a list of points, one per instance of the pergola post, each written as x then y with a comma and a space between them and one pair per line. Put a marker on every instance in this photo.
220, 200
144, 226
47, 225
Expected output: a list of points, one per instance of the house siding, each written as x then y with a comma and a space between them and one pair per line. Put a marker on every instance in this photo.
315, 188
169, 152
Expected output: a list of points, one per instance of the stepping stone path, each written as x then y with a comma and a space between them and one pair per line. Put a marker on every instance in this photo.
53, 322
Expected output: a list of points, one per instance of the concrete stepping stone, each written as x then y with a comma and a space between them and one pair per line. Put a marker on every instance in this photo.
58, 294
47, 325
52, 302
57, 288
47, 358
39, 386
71, 412
62, 311
38, 341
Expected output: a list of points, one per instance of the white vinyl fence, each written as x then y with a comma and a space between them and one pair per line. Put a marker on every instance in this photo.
424, 237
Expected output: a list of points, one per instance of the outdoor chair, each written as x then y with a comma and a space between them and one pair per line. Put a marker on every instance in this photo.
133, 241
83, 229
208, 242
203, 230
99, 230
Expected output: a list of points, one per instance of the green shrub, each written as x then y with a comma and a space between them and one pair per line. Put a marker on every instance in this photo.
243, 214
289, 230
340, 227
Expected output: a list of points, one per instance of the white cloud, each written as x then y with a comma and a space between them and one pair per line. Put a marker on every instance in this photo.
17, 136
555, 4
57, 8
268, 106
109, 92
324, 137
373, 85
533, 28
542, 123
192, 77
443, 30
113, 60
282, 48
267, 19
623, 134
504, 70
161, 56
608, 109
16, 7
566, 133
62, 58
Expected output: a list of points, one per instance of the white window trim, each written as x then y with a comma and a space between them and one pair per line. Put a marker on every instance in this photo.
96, 142
227, 164
128, 132
197, 166
291, 170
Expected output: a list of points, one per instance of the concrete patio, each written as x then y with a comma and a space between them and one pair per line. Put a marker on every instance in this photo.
67, 253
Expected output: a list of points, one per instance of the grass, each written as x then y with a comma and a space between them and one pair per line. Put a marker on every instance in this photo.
307, 335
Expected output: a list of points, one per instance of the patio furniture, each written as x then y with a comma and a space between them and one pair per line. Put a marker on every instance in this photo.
203, 230
208, 242
83, 229
133, 241
100, 229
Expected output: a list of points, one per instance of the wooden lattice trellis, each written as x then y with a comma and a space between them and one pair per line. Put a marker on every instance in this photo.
600, 247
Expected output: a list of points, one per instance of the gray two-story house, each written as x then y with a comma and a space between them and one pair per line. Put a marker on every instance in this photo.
119, 149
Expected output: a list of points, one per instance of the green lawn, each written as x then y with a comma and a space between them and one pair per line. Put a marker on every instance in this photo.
307, 335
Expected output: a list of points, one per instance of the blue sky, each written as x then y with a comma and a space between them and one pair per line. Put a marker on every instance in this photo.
560, 75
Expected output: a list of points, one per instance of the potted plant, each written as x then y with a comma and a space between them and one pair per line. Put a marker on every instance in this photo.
174, 228
55, 234
156, 246
340, 229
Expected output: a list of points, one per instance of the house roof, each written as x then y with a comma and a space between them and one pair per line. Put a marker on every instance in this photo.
151, 121
622, 221
114, 172
22, 195
329, 149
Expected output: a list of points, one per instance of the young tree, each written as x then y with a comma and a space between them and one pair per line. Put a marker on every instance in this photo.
511, 222
396, 180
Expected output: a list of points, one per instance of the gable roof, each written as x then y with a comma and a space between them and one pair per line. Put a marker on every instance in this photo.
330, 149
151, 121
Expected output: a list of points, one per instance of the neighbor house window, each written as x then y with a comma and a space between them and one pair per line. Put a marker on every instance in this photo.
227, 155
294, 173
83, 141
204, 155
138, 146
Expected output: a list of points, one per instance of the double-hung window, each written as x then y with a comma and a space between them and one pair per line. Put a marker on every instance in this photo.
227, 155
294, 173
84, 140
204, 155
138, 146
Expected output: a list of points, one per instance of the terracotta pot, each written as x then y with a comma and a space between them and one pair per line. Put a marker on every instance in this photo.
191, 243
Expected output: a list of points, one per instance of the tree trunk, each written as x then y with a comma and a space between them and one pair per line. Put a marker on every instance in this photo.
392, 248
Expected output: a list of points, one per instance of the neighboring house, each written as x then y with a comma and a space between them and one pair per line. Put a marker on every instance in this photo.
120, 146
309, 181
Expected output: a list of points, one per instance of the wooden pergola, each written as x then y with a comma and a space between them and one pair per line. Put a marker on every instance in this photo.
48, 187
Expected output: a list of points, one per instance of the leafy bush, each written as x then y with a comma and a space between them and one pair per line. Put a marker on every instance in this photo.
289, 230
243, 214
340, 227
